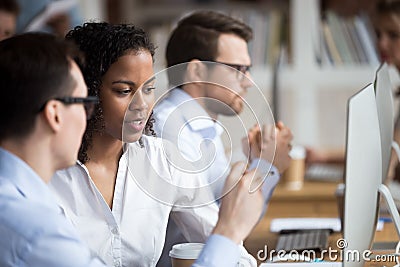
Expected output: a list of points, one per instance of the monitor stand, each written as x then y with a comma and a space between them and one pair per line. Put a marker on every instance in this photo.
384, 190
392, 245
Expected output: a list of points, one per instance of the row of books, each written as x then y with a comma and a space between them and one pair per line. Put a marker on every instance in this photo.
344, 41
347, 41
270, 34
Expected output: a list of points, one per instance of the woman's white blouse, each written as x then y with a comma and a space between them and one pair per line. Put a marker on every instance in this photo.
133, 232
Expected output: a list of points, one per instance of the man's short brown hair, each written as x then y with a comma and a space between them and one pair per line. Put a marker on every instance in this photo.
196, 37
34, 68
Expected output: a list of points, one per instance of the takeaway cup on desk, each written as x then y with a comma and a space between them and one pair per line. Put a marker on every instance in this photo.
293, 177
185, 254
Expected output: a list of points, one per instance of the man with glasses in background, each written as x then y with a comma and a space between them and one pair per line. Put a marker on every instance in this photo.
212, 82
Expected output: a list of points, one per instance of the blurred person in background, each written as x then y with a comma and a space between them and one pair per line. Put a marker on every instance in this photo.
386, 19
387, 26
9, 10
58, 23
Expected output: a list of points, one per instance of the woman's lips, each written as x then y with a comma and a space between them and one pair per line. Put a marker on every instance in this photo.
137, 125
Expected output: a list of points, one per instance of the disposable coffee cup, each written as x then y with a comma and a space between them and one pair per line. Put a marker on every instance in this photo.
293, 177
185, 254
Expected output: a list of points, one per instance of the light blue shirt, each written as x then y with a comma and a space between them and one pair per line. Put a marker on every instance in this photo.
33, 229
219, 251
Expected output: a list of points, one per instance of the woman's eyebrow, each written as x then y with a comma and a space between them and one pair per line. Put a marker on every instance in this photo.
125, 82
149, 80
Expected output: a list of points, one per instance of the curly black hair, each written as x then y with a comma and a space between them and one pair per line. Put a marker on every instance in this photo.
102, 44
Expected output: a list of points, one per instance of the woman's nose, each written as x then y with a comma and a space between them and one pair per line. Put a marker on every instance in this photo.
138, 102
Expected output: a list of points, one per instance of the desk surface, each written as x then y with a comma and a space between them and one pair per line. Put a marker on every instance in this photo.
311, 190
315, 199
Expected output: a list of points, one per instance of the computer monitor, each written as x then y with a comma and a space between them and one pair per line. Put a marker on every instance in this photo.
366, 122
363, 173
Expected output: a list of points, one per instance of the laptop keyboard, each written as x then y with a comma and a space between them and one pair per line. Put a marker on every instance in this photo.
303, 240
325, 172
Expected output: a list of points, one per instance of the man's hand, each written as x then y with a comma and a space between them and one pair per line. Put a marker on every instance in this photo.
283, 138
271, 144
240, 210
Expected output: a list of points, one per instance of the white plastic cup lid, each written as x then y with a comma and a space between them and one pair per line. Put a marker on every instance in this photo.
298, 152
186, 251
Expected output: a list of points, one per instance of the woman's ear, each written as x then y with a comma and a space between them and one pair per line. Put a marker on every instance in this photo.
196, 71
52, 115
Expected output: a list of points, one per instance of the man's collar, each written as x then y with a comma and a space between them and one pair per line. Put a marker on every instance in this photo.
195, 115
24, 178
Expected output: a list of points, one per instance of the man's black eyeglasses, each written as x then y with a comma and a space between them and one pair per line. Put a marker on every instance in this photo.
242, 68
88, 103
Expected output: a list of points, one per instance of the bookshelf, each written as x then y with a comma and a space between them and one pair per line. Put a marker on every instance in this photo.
313, 95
